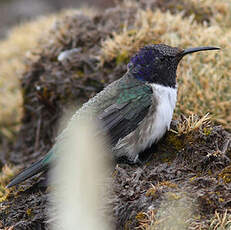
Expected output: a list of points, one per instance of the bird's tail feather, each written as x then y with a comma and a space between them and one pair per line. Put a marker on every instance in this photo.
35, 168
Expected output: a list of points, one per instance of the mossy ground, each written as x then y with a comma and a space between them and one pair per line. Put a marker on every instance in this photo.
191, 164
184, 184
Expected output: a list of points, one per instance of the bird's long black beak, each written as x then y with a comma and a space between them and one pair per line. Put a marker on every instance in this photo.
197, 49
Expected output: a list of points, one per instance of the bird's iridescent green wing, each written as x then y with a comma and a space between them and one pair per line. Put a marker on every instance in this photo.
120, 107
127, 109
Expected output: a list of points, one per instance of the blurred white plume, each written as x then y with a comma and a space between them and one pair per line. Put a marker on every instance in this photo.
80, 178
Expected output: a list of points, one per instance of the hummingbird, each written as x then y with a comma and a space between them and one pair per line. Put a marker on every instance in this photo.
135, 111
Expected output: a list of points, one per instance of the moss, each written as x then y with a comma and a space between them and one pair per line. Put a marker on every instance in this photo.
6, 175
29, 212
210, 173
221, 199
79, 73
4, 195
192, 178
207, 131
175, 140
225, 175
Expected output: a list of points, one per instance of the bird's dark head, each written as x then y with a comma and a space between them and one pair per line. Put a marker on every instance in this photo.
158, 63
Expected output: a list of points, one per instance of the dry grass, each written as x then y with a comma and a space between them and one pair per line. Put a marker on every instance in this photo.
191, 123
204, 79
221, 221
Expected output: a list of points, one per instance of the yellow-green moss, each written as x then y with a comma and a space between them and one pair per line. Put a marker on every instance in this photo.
6, 175
79, 74
29, 212
225, 175
175, 140
207, 131
192, 178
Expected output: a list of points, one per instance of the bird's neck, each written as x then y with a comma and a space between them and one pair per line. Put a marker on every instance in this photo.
166, 78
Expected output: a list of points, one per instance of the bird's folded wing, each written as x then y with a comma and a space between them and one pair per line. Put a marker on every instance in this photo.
127, 111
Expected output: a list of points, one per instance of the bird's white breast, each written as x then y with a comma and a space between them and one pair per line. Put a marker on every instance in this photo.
166, 101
